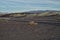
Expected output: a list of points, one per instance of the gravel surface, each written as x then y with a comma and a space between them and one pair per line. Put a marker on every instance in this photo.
14, 30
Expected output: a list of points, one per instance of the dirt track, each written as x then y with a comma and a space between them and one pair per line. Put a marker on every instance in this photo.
15, 30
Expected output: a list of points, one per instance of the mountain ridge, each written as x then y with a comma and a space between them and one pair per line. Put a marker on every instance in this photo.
38, 12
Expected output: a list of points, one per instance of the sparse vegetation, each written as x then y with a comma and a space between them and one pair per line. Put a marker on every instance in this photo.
32, 23
17, 15
3, 20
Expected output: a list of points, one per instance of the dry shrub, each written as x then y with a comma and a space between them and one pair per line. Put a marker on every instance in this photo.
32, 23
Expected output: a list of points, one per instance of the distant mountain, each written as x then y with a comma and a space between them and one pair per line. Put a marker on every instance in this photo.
42, 11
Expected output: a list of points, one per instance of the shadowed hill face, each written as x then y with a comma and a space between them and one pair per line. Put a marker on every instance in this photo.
13, 15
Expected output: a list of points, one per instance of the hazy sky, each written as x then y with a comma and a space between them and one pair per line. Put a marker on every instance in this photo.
27, 5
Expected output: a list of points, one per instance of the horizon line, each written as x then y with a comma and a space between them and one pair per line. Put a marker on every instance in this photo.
25, 11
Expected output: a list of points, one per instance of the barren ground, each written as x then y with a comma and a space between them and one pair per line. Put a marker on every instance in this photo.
18, 30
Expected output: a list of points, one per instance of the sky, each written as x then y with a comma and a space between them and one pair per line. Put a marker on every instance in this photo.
28, 5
